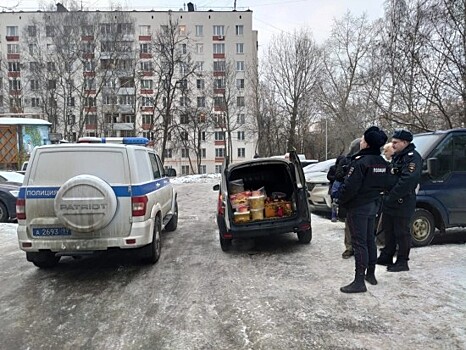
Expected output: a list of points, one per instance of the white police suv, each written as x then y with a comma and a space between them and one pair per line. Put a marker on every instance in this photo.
98, 194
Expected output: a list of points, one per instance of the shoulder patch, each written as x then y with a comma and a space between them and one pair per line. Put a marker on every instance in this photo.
350, 171
411, 167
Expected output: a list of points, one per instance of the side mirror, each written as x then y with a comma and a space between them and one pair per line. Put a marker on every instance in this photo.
216, 187
432, 167
171, 172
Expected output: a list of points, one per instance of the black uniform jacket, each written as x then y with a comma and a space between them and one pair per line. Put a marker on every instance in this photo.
405, 174
366, 179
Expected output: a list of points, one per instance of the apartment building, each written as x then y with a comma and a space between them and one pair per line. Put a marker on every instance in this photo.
184, 79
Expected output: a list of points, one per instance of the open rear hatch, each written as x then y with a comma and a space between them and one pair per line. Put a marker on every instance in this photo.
262, 190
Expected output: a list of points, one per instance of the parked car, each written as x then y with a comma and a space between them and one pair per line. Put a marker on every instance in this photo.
11, 176
440, 201
261, 197
317, 185
107, 193
9, 189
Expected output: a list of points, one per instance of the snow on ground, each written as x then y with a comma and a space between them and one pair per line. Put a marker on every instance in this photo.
198, 178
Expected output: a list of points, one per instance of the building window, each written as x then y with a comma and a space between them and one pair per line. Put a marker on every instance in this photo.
168, 153
201, 101
14, 67
126, 82
199, 49
52, 84
241, 152
32, 31
146, 84
219, 66
185, 170
218, 168
89, 84
200, 66
241, 135
183, 68
199, 30
184, 119
202, 135
51, 66
240, 101
239, 29
49, 31
11, 31
126, 100
144, 48
146, 66
241, 119
34, 85
89, 102
219, 30
200, 84
91, 119
219, 152
184, 101
203, 153
15, 84
219, 83
240, 66
184, 136
219, 48
240, 84
89, 66
146, 119
128, 118
240, 48
183, 49
16, 102
70, 101
202, 169
146, 102
125, 28
219, 136
32, 49
184, 152
144, 30
110, 100
12, 48
35, 102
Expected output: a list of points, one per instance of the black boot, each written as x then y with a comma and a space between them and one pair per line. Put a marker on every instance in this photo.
400, 265
384, 260
357, 286
370, 276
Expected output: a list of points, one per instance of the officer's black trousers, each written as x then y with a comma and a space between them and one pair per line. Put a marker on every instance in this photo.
396, 229
361, 222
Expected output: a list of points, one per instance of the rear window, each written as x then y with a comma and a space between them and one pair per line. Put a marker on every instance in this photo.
54, 168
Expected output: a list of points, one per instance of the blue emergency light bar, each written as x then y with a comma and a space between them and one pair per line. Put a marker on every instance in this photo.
120, 140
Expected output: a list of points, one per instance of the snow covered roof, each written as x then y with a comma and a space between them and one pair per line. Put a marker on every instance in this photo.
23, 121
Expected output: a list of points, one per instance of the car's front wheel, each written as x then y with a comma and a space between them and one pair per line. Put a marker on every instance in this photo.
305, 236
422, 228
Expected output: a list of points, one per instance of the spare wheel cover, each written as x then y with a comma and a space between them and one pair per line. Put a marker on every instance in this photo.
85, 203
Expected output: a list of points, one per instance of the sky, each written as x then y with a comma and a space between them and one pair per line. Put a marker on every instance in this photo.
270, 17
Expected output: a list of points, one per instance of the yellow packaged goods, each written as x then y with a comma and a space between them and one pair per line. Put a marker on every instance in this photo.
256, 202
257, 214
240, 199
241, 217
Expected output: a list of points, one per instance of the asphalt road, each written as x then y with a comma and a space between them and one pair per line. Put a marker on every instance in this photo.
265, 294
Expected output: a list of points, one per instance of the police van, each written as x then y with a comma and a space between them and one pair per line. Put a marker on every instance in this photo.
98, 194
440, 201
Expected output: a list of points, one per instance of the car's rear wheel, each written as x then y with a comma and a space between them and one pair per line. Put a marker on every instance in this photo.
422, 228
43, 260
3, 213
305, 236
152, 251
225, 243
173, 223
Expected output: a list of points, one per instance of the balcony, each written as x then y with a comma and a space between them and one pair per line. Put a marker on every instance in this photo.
12, 56
145, 38
219, 55
12, 38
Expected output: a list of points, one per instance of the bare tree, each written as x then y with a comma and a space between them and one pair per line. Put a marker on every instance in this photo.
293, 67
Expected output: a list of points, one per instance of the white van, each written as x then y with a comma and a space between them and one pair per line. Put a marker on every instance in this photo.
92, 196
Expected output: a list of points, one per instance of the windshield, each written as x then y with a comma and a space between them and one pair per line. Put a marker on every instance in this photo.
321, 166
424, 143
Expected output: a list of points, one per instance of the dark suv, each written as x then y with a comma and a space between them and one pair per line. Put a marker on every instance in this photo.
261, 197
440, 201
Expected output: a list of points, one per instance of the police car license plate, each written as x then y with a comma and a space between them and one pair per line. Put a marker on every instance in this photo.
50, 231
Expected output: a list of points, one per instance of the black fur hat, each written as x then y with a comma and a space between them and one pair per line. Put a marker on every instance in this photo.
375, 137
402, 134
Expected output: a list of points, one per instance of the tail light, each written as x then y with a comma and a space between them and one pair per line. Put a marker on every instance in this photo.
220, 205
21, 208
139, 205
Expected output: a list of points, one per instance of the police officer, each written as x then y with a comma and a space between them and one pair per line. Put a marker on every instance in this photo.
400, 202
361, 195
